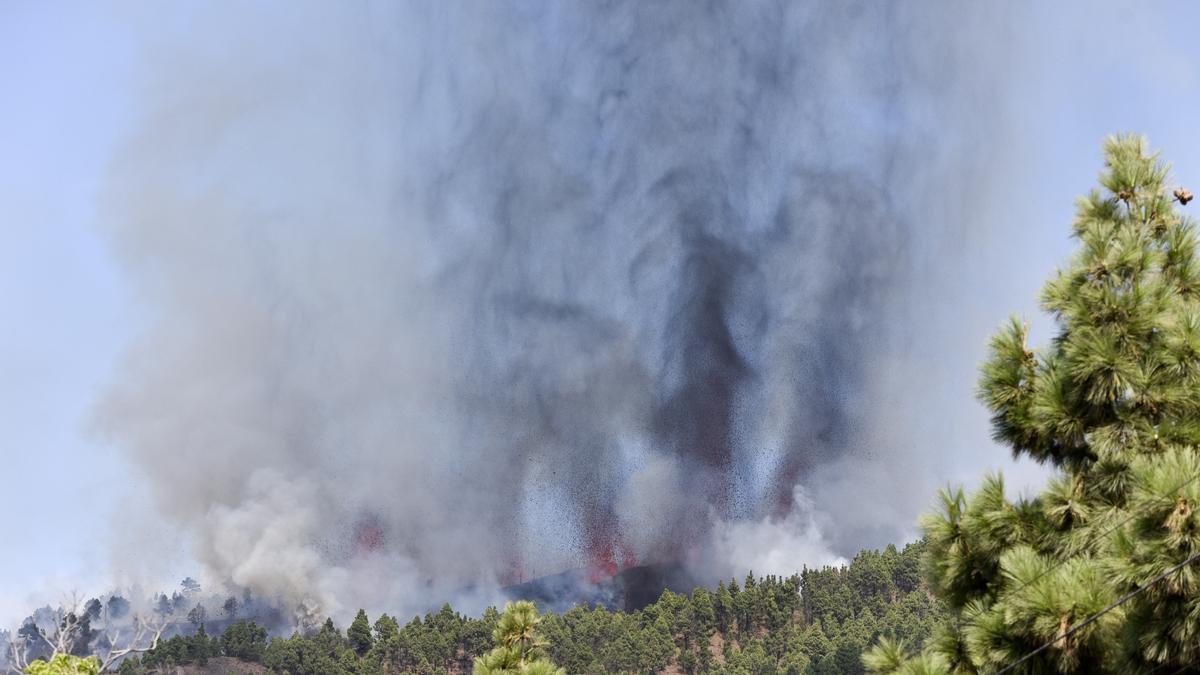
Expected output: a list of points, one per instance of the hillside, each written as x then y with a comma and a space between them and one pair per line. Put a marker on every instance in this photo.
818, 621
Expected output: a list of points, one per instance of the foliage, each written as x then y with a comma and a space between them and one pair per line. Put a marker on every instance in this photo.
359, 634
183, 649
244, 640
1113, 404
520, 647
818, 621
65, 664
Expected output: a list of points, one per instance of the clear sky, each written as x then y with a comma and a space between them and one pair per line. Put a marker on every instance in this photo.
66, 81
63, 71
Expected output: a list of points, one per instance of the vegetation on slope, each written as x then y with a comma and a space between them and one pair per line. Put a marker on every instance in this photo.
816, 622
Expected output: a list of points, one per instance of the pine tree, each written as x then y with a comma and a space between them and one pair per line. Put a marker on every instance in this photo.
1113, 405
519, 645
359, 634
724, 606
244, 640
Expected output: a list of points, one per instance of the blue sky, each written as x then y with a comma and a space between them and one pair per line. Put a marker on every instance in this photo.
63, 70
66, 98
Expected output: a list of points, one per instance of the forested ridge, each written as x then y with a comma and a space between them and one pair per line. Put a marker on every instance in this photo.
818, 621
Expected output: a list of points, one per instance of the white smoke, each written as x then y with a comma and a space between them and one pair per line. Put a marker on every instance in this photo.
771, 546
265, 541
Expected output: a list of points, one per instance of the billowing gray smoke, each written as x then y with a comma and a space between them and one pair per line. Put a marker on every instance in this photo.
445, 294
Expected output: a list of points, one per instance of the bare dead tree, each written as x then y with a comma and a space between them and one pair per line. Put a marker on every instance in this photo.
72, 631
59, 638
144, 635
15, 658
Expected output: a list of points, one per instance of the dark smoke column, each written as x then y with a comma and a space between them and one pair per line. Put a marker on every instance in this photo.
442, 293
686, 237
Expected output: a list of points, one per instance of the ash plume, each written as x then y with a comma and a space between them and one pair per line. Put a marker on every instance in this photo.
446, 295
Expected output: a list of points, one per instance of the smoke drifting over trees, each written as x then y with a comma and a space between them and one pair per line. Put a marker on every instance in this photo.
443, 296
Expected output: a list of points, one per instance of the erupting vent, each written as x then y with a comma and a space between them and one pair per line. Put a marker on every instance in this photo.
604, 563
368, 535
629, 589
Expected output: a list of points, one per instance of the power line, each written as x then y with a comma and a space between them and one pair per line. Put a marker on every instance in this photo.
1055, 565
1116, 603
1059, 563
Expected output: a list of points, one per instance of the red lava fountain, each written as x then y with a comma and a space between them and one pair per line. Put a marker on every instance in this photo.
368, 536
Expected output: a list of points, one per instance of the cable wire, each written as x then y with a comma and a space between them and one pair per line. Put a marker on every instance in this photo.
1116, 603
1056, 564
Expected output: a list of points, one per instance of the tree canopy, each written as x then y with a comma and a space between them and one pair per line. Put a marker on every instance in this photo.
817, 622
520, 647
1068, 581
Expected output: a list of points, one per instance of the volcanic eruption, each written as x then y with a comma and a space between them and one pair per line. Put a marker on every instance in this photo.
440, 297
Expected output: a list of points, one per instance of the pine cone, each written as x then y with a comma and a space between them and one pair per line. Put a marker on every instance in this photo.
1183, 195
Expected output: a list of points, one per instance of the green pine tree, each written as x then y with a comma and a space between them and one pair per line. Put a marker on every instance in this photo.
519, 645
1112, 403
359, 634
